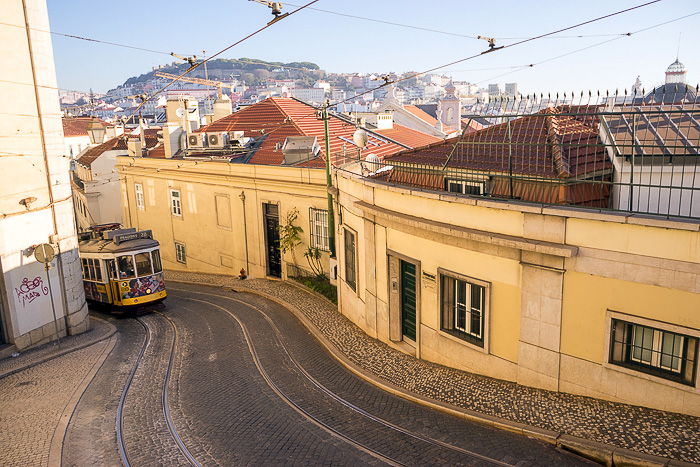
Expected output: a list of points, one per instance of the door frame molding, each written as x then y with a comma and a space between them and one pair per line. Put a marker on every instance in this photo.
393, 310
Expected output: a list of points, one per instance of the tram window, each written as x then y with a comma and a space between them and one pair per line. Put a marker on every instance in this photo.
126, 267
157, 267
112, 269
86, 269
95, 269
143, 264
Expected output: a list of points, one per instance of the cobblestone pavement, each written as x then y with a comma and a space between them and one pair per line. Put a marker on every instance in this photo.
91, 436
227, 405
649, 431
39, 391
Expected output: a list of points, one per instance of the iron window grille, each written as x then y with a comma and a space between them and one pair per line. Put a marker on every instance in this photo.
665, 354
350, 273
140, 201
463, 309
180, 253
318, 228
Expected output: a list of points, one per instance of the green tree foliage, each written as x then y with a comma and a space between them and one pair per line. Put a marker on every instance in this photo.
289, 234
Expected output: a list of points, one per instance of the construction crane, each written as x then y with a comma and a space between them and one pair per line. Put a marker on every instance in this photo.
207, 82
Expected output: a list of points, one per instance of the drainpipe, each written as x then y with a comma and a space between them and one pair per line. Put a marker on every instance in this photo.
245, 232
59, 256
329, 183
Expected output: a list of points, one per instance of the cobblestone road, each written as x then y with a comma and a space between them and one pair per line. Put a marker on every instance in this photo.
254, 426
242, 398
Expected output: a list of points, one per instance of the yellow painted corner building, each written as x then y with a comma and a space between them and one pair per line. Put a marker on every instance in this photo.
586, 302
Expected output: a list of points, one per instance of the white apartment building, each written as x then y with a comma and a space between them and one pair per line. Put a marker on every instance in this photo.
35, 200
309, 94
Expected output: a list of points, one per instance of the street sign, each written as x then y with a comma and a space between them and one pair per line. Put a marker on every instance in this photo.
44, 253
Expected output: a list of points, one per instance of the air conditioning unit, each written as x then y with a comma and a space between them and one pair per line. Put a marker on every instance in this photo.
217, 140
195, 141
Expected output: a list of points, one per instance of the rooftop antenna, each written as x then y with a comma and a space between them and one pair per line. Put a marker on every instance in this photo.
678, 51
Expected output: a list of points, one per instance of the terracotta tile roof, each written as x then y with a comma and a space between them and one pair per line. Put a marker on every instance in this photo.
77, 126
114, 144
556, 143
280, 117
420, 114
94, 152
408, 136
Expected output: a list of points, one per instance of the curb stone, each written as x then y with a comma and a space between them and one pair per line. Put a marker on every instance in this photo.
111, 330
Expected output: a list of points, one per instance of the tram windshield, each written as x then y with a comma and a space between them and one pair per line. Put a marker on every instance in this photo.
126, 267
157, 267
143, 264
146, 264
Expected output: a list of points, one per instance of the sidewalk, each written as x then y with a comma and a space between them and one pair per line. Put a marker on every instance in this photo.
99, 330
40, 390
603, 431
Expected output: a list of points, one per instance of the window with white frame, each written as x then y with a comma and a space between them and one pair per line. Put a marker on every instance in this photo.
465, 187
140, 203
464, 303
175, 203
318, 220
180, 253
658, 352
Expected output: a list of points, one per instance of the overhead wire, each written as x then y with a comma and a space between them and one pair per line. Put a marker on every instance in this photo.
217, 54
447, 33
479, 55
588, 47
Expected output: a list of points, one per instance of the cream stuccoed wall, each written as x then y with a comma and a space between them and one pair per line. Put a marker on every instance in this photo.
212, 226
556, 278
34, 168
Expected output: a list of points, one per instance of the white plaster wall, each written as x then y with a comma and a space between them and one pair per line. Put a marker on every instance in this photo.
23, 174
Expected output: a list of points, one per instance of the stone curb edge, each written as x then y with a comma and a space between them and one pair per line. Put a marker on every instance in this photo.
110, 333
605, 454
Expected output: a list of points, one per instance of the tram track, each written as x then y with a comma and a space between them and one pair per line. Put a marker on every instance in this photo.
469, 456
124, 453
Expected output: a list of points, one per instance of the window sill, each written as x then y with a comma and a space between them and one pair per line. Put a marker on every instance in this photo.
652, 378
464, 342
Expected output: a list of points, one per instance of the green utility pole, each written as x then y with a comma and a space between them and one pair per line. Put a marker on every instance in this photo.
329, 183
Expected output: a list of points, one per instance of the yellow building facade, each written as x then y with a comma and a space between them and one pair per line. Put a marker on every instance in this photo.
586, 302
218, 217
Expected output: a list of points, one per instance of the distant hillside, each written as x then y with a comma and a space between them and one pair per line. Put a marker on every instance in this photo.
248, 70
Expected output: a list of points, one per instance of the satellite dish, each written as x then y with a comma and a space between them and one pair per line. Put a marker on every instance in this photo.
372, 163
360, 138
180, 112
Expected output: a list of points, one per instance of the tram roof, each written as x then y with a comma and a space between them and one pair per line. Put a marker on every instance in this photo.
109, 246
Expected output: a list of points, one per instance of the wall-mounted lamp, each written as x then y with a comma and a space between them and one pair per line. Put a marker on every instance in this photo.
242, 196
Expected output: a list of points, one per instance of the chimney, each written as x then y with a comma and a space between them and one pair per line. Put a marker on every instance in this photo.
222, 107
134, 147
171, 139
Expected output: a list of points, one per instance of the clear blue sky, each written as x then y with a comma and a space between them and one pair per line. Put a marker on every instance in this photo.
343, 44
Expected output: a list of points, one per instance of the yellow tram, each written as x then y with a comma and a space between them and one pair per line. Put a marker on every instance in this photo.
121, 267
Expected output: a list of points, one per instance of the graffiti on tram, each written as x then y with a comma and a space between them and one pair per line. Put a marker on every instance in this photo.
96, 292
143, 286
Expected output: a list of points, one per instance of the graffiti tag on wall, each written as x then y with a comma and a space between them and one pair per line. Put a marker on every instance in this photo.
28, 291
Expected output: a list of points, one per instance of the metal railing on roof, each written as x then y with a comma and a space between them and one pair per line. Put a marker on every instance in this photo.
636, 153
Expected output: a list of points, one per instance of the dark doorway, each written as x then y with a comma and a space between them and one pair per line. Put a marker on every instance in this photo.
408, 300
272, 235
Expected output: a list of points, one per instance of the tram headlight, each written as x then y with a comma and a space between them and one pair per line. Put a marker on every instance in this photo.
148, 290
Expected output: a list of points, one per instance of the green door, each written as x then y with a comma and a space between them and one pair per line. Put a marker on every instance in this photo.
408, 300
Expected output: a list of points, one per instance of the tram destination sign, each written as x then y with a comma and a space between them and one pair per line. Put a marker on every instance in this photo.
125, 237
